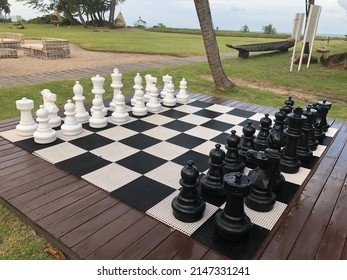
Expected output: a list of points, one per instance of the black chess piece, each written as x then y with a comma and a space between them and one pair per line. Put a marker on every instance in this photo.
312, 141
280, 117
264, 180
290, 162
188, 206
289, 102
212, 182
232, 223
233, 163
246, 141
321, 125
303, 149
260, 142
287, 108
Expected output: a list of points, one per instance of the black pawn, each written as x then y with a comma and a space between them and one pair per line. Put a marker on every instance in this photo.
232, 223
303, 149
260, 142
290, 162
233, 163
289, 102
188, 206
246, 141
280, 117
212, 182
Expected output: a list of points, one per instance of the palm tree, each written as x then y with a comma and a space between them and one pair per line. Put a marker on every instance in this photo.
211, 47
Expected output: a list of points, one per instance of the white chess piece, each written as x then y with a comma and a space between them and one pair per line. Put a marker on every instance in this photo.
150, 82
70, 126
153, 104
139, 108
98, 119
98, 90
44, 133
166, 79
137, 86
81, 113
27, 126
116, 85
49, 100
120, 114
169, 99
182, 95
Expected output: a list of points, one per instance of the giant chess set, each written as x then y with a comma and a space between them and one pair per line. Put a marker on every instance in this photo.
219, 174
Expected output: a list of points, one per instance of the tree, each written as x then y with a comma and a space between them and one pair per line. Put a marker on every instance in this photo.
4, 6
211, 47
245, 28
269, 29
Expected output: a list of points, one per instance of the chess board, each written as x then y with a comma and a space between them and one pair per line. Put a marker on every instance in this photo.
140, 161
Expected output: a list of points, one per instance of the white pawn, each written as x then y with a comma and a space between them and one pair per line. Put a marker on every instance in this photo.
139, 108
49, 100
153, 105
120, 114
182, 95
116, 85
169, 99
27, 125
98, 90
81, 113
98, 119
166, 79
150, 82
71, 126
137, 86
44, 133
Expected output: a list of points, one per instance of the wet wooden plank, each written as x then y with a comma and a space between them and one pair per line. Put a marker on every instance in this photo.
145, 244
169, 247
192, 251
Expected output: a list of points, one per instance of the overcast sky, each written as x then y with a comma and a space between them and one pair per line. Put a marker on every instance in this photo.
226, 14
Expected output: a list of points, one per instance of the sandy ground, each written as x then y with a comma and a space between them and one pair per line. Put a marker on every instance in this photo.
25, 65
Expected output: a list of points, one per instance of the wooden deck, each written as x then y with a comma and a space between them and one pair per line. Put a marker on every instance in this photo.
84, 222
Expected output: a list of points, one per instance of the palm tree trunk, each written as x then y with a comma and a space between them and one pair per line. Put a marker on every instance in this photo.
211, 47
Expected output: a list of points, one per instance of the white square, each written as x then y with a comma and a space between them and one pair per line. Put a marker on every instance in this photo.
331, 132
297, 178
238, 129
168, 174
194, 119
161, 133
114, 151
111, 177
166, 150
219, 108
187, 109
203, 132
319, 151
163, 212
206, 147
258, 116
12, 135
230, 119
157, 119
59, 152
117, 133
84, 132
110, 120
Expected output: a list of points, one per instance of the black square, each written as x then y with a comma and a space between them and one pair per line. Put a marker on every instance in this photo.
246, 250
218, 125
286, 192
143, 193
174, 114
139, 125
221, 139
140, 141
89, 128
31, 146
91, 142
179, 125
207, 113
200, 104
186, 141
141, 162
309, 164
83, 164
241, 113
200, 160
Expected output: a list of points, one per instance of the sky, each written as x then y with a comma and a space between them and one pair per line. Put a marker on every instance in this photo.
226, 14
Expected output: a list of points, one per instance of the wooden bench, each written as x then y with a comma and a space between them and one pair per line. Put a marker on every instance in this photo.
51, 48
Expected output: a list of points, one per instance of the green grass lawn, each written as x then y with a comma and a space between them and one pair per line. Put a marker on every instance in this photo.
266, 70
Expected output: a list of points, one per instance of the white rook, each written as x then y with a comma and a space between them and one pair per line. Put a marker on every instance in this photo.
27, 125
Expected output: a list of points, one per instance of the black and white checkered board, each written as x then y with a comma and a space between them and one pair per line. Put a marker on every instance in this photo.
140, 162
